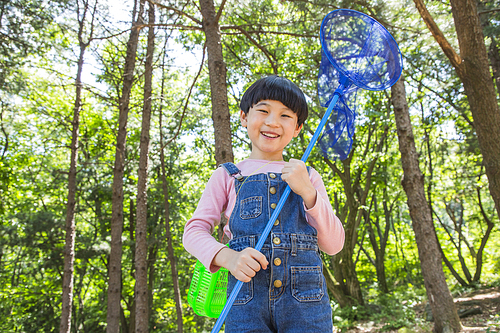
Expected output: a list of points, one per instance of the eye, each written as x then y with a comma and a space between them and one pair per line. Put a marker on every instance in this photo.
261, 110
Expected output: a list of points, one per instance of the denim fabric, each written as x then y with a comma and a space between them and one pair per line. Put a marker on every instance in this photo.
290, 295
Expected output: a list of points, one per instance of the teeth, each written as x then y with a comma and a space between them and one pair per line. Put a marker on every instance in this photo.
270, 135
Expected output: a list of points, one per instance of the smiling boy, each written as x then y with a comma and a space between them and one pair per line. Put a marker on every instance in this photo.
285, 289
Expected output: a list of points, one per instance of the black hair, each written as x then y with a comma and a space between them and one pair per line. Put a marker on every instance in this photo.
279, 89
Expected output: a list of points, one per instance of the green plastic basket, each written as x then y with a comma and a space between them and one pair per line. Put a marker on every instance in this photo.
207, 292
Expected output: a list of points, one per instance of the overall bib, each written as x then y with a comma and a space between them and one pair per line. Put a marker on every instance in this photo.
290, 295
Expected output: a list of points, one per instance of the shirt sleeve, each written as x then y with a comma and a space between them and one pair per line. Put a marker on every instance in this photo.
197, 238
331, 234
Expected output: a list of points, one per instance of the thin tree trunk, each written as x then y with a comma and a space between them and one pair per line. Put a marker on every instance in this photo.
486, 236
141, 229
115, 256
218, 87
69, 250
440, 299
379, 250
170, 248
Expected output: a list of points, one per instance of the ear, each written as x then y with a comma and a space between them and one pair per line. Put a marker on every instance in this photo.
297, 130
243, 118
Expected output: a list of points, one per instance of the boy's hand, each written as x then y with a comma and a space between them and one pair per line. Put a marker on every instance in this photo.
244, 264
295, 174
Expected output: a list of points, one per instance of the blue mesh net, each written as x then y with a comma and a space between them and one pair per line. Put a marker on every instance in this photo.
357, 47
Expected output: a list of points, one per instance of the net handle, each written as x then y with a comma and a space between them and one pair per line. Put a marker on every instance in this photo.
344, 83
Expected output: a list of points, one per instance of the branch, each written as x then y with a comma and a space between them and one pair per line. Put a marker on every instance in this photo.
236, 27
219, 12
489, 11
171, 25
448, 50
6, 146
187, 101
260, 47
180, 12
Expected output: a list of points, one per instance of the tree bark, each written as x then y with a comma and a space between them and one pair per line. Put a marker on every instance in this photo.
69, 249
141, 229
473, 70
115, 256
440, 299
379, 250
170, 248
218, 87
494, 55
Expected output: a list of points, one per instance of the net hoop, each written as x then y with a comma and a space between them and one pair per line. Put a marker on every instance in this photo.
393, 57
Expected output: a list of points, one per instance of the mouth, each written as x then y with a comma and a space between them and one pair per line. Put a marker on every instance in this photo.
270, 135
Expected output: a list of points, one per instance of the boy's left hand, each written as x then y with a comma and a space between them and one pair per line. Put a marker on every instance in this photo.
295, 174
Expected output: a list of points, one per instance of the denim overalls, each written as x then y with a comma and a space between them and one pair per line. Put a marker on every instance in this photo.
290, 295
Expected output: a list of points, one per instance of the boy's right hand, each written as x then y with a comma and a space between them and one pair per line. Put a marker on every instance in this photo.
244, 264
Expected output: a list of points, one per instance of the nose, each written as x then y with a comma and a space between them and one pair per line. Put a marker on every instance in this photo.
272, 120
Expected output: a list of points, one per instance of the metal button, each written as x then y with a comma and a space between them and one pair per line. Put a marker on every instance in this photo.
276, 222
272, 175
277, 283
273, 205
276, 241
277, 261
272, 190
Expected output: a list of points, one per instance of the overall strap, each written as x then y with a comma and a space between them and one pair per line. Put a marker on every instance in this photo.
232, 170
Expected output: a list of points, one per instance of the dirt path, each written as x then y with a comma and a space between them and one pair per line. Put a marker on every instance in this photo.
482, 307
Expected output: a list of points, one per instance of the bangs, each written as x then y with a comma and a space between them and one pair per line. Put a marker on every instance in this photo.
277, 89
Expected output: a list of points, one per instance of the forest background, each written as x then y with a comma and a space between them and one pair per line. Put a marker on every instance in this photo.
113, 115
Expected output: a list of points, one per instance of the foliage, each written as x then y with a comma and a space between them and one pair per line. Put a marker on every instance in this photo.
259, 38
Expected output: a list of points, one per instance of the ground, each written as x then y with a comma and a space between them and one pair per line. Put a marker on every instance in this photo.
487, 300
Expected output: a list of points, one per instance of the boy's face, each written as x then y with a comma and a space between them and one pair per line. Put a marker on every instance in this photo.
271, 126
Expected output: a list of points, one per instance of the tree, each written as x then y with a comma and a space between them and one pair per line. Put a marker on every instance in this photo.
115, 257
218, 88
69, 251
141, 229
473, 70
439, 296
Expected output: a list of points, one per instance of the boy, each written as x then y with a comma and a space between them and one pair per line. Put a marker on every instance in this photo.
285, 290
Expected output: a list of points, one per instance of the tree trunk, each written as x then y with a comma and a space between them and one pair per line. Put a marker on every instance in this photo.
494, 55
379, 250
343, 265
440, 299
69, 249
473, 70
218, 87
170, 248
141, 229
115, 256
166, 196
480, 90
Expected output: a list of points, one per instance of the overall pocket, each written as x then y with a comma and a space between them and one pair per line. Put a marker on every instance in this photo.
246, 292
251, 207
307, 283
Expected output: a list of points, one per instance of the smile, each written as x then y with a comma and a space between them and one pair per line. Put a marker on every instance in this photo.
269, 135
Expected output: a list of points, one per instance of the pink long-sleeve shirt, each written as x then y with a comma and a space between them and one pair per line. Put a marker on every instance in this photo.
220, 197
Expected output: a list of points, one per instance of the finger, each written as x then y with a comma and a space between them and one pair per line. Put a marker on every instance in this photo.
242, 277
249, 271
261, 259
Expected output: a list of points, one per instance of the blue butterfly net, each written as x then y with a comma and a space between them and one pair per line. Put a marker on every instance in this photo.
357, 48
